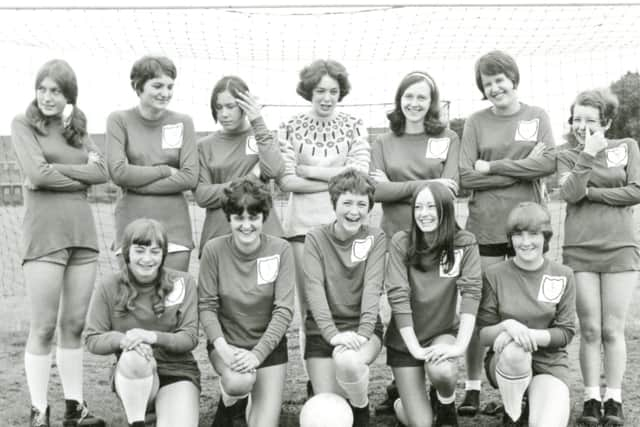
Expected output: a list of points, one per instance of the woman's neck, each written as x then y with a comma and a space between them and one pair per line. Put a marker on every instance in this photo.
414, 128
529, 265
150, 113
508, 110
328, 118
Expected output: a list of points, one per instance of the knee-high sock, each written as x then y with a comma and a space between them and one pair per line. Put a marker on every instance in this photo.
134, 394
357, 392
512, 388
37, 369
69, 361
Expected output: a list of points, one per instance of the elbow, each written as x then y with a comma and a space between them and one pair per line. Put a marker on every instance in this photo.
199, 196
568, 196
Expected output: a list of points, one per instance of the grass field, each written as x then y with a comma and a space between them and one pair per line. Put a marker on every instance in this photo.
14, 399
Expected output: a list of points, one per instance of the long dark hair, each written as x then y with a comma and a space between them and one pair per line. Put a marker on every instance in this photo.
433, 124
423, 253
145, 232
60, 72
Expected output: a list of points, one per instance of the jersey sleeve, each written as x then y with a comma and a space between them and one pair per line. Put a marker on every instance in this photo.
575, 176
397, 284
372, 288
470, 280
207, 193
98, 335
185, 337
563, 327
628, 194
94, 172
208, 297
271, 162
488, 313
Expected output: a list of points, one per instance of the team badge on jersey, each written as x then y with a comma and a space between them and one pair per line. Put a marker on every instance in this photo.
552, 288
176, 296
527, 130
172, 136
268, 268
251, 146
455, 270
437, 148
617, 156
360, 249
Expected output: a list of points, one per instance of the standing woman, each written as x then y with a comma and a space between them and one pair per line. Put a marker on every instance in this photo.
147, 315
152, 156
59, 162
246, 290
243, 146
429, 264
527, 317
600, 182
505, 150
419, 148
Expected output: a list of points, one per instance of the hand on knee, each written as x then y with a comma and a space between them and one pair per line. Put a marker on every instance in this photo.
237, 384
349, 365
514, 359
442, 373
132, 365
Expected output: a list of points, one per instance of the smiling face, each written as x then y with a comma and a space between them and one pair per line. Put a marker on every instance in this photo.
145, 261
415, 102
324, 97
246, 229
352, 212
229, 113
425, 211
49, 98
529, 248
500, 91
156, 93
586, 116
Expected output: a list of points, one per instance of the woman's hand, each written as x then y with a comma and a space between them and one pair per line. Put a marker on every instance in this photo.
173, 170
438, 353
245, 361
94, 157
520, 334
594, 142
501, 341
303, 171
378, 176
249, 105
226, 351
451, 184
349, 339
482, 166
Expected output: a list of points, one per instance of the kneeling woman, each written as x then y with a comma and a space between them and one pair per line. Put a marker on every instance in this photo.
344, 272
527, 318
428, 266
246, 288
148, 316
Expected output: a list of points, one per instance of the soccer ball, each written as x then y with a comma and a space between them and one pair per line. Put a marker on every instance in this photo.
326, 410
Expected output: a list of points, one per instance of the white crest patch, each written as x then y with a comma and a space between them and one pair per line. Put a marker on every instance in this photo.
527, 130
455, 270
617, 156
172, 136
552, 288
176, 296
251, 146
360, 249
268, 269
437, 148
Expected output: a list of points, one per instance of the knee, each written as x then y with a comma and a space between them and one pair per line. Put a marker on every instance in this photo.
590, 332
514, 359
237, 384
43, 332
72, 327
443, 372
133, 365
348, 363
612, 332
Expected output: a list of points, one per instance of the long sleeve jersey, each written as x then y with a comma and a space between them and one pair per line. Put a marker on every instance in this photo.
139, 153
505, 142
541, 299
343, 281
408, 161
599, 230
176, 327
57, 176
341, 141
426, 300
247, 298
225, 156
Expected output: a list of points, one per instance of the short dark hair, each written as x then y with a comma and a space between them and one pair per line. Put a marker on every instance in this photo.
531, 217
311, 75
149, 67
351, 181
247, 193
233, 84
496, 62
145, 232
605, 101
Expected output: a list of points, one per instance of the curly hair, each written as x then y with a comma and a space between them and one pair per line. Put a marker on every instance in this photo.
311, 75
149, 67
496, 62
247, 193
232, 84
603, 100
58, 70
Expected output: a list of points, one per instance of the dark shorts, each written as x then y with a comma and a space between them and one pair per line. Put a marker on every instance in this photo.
404, 359
278, 356
170, 373
298, 238
316, 346
497, 249
69, 256
560, 371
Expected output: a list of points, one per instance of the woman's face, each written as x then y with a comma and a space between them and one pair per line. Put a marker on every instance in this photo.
324, 97
415, 102
145, 261
352, 211
499, 90
529, 248
246, 229
425, 212
229, 112
585, 116
49, 98
157, 93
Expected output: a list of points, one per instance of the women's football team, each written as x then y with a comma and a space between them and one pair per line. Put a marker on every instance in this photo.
486, 293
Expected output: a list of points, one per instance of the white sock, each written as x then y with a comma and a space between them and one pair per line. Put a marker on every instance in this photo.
247, 411
37, 369
69, 362
613, 393
446, 400
512, 388
592, 393
472, 384
357, 392
134, 394
227, 399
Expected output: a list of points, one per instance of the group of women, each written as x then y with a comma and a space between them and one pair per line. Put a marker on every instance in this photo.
452, 291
